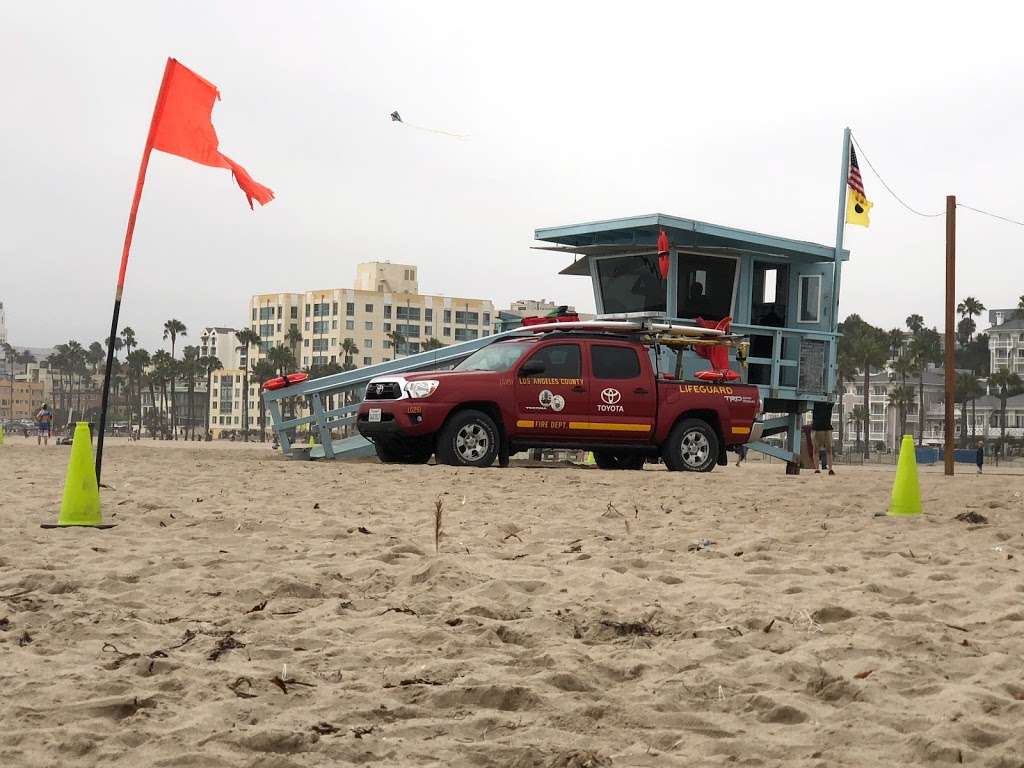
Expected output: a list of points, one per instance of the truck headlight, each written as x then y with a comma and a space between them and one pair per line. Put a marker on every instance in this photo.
423, 388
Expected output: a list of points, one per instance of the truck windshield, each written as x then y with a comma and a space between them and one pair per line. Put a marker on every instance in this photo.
496, 357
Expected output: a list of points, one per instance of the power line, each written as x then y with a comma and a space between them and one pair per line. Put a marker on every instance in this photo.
888, 188
913, 210
993, 215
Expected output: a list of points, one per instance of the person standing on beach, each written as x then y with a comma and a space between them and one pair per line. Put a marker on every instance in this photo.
979, 456
43, 420
821, 433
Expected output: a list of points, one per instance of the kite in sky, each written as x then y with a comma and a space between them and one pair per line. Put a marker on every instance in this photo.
397, 118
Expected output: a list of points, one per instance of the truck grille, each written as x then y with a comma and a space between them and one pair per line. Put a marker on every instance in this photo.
383, 390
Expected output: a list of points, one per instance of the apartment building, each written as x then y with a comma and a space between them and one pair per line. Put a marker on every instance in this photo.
20, 399
220, 342
1006, 340
384, 300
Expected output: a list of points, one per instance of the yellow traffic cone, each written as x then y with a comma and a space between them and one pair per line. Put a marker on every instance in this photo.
906, 491
81, 503
1, 435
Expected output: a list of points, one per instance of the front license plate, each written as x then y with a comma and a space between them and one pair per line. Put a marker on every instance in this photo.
374, 414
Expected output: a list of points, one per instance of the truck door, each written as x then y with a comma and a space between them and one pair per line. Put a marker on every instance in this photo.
551, 392
623, 393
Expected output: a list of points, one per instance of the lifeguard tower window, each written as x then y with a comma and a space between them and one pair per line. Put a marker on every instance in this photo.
810, 298
631, 284
706, 286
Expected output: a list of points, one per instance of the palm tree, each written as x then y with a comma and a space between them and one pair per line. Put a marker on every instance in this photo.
915, 322
137, 361
162, 373
1019, 314
858, 417
172, 330
868, 346
128, 339
970, 307
925, 348
397, 339
349, 348
189, 368
247, 338
967, 388
901, 398
210, 363
846, 370
95, 355
434, 343
294, 338
282, 359
897, 337
262, 372
1007, 384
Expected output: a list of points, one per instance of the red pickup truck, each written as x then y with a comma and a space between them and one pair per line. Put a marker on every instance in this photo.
592, 391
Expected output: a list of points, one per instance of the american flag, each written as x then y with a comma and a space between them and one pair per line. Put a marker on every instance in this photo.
853, 178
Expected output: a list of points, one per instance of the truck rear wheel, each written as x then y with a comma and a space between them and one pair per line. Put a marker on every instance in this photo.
692, 446
394, 452
610, 460
469, 439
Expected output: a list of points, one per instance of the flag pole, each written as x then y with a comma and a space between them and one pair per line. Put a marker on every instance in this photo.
844, 176
143, 165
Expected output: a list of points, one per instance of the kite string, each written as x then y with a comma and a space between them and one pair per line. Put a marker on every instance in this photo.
433, 130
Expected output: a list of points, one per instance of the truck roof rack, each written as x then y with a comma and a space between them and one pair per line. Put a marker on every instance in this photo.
650, 329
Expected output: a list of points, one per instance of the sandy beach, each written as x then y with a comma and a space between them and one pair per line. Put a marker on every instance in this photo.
250, 611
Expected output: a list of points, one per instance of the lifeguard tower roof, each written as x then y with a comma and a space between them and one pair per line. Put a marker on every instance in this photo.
630, 235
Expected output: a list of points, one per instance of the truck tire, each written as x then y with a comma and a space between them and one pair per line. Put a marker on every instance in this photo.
692, 446
610, 460
469, 439
390, 452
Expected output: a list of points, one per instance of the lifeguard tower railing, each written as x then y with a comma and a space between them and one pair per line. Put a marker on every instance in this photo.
329, 403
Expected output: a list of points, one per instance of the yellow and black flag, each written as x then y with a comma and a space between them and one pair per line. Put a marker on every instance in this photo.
857, 204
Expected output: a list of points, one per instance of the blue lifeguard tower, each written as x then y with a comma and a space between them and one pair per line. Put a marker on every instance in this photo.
780, 293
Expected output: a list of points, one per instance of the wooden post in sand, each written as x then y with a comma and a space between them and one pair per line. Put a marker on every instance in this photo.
950, 404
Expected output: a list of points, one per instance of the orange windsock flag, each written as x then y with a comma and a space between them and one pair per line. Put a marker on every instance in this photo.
182, 126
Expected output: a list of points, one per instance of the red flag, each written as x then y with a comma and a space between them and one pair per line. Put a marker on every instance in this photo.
182, 127
663, 254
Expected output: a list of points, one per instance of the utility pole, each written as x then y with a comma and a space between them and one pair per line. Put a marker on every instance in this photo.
950, 350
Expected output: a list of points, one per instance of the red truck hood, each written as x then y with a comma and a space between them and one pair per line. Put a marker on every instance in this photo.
442, 375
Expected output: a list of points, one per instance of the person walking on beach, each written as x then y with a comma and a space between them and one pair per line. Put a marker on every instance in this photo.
741, 453
979, 456
43, 420
821, 433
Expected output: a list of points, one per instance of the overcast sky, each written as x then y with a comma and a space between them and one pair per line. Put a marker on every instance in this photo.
725, 112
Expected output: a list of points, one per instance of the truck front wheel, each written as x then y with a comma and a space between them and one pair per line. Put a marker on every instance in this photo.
691, 446
469, 439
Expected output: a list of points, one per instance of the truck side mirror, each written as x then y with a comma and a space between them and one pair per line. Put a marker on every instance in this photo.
532, 368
